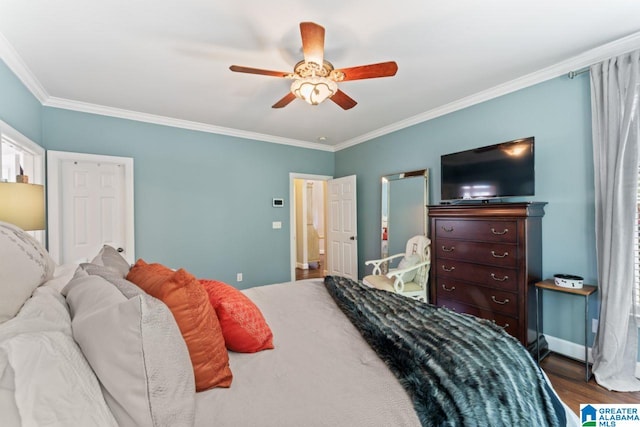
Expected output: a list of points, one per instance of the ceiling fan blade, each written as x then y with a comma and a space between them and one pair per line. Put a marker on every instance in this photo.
249, 70
312, 42
284, 101
371, 71
343, 100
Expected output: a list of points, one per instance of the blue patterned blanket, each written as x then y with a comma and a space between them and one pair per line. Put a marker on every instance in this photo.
458, 370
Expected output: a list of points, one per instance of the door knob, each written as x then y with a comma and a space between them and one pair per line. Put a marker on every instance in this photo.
352, 238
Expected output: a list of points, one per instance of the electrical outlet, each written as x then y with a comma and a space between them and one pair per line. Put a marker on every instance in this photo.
594, 325
239, 277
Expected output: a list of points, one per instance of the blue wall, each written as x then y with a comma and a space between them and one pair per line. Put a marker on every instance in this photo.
202, 201
18, 107
558, 114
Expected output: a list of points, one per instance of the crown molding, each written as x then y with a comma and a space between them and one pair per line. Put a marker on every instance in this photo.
86, 107
586, 59
15, 63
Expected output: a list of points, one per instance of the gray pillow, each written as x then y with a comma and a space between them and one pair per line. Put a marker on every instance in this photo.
24, 265
135, 348
110, 258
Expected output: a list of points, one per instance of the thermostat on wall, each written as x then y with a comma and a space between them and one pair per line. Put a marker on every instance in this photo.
278, 203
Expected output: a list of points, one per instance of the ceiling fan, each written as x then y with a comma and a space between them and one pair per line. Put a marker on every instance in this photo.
314, 78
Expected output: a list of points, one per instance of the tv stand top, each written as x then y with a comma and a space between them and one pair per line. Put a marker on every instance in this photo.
472, 201
488, 209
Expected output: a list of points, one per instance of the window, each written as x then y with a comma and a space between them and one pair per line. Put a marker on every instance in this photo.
19, 152
15, 159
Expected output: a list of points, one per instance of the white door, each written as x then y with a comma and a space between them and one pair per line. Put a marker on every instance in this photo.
91, 205
342, 259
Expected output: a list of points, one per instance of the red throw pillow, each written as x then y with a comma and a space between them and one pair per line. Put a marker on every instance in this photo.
243, 326
197, 321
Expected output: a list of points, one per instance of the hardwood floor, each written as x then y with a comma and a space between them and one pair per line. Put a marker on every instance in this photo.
311, 273
567, 377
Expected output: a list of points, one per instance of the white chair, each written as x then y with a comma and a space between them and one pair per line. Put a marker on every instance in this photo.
411, 276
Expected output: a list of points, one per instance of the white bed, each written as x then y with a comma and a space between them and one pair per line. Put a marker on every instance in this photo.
320, 373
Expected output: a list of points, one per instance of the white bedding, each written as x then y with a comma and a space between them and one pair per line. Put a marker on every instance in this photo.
44, 378
321, 372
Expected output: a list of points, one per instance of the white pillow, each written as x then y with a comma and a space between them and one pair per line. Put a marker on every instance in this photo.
24, 265
407, 262
61, 276
44, 378
135, 348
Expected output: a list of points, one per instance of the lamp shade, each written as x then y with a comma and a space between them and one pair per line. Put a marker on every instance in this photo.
22, 205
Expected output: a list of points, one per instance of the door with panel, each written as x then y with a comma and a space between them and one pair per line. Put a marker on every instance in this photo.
342, 230
90, 205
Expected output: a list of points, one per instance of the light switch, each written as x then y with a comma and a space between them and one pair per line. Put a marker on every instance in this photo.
276, 225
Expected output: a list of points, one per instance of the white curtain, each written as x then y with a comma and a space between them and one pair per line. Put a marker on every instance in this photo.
615, 99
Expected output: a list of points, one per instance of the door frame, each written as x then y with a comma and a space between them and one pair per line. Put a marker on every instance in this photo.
292, 215
54, 197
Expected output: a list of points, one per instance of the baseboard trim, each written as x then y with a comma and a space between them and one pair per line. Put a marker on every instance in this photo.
302, 265
573, 350
567, 348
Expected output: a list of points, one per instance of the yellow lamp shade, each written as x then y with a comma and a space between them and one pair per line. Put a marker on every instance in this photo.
22, 205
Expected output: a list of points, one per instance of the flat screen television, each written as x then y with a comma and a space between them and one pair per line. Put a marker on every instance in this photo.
495, 171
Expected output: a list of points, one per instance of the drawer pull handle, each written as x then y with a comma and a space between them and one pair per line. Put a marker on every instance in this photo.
493, 298
500, 233
451, 289
495, 255
493, 276
445, 268
448, 249
506, 325
447, 229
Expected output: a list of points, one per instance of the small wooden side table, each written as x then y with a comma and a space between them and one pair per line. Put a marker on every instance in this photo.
586, 291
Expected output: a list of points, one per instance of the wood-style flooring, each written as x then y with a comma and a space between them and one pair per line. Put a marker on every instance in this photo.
312, 273
567, 377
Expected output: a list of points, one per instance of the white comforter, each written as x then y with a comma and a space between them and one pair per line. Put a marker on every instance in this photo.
44, 378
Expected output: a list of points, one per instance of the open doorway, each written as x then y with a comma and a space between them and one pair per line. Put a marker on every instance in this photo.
308, 226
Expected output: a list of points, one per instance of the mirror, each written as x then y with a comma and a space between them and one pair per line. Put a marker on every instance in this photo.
405, 197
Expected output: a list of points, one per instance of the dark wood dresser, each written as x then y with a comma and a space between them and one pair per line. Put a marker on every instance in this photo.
486, 259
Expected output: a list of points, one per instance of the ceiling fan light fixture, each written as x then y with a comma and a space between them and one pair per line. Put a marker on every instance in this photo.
314, 90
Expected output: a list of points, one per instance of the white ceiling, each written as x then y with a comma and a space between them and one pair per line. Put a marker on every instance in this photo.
167, 61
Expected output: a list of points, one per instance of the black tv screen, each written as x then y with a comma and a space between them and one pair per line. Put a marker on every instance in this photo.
495, 171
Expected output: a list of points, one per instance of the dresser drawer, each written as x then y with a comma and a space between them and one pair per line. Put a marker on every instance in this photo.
479, 296
481, 230
494, 277
499, 254
508, 323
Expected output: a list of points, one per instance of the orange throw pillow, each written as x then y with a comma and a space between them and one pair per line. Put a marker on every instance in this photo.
243, 326
196, 319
